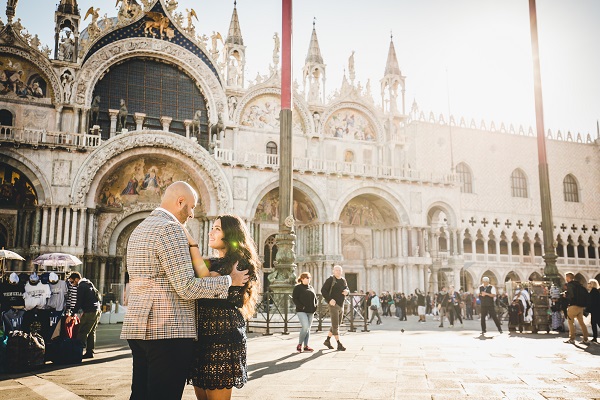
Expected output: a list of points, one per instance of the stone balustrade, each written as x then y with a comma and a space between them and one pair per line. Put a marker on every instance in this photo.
341, 168
43, 137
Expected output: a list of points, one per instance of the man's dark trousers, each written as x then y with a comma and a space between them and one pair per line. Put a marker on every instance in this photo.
160, 368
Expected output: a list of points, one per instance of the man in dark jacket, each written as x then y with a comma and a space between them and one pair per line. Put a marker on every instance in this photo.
89, 303
334, 291
577, 303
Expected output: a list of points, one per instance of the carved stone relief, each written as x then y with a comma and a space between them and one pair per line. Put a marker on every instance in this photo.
61, 173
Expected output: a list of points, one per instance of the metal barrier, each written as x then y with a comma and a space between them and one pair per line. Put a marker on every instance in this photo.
277, 312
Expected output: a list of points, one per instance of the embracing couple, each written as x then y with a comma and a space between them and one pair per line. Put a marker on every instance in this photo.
176, 297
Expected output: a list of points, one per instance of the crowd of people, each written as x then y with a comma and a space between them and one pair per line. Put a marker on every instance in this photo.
449, 305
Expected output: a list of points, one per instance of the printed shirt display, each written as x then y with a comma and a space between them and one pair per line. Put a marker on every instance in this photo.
12, 296
36, 295
58, 295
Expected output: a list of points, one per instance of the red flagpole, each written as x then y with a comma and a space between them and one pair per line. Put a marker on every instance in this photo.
286, 55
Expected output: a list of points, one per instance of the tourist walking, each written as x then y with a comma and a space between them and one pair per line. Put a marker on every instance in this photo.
594, 308
305, 299
334, 291
577, 300
487, 294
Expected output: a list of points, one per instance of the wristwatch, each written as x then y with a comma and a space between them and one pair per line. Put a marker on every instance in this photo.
193, 245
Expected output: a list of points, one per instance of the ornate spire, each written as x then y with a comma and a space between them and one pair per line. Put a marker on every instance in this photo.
391, 67
68, 7
235, 33
314, 52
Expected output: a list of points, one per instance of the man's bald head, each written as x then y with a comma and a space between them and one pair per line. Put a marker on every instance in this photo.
180, 199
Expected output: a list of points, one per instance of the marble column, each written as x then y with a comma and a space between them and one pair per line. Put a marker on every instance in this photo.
44, 237
113, 122
84, 121
165, 122
76, 112
65, 240
187, 123
102, 275
59, 226
139, 120
74, 222
37, 226
405, 252
90, 230
455, 242
52, 233
82, 221
58, 112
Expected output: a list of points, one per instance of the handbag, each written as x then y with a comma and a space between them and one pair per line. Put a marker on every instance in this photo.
373, 307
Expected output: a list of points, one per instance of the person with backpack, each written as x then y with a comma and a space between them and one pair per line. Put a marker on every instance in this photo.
89, 302
577, 300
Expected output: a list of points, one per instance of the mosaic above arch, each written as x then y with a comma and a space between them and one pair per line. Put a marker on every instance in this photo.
268, 208
367, 210
19, 78
142, 180
16, 191
349, 123
262, 112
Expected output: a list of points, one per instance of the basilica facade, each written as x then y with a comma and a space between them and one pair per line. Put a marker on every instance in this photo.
94, 129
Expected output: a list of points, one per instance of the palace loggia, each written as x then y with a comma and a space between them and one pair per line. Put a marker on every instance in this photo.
95, 126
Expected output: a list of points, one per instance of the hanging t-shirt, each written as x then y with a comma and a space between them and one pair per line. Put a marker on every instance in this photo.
58, 295
12, 320
11, 295
36, 296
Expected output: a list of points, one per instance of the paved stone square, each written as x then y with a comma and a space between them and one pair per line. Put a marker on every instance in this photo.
423, 362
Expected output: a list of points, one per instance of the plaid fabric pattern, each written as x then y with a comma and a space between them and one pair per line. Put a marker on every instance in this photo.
162, 284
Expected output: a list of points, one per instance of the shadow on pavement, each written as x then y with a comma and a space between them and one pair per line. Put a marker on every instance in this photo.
275, 366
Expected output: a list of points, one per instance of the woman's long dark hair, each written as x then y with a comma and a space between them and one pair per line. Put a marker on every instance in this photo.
241, 248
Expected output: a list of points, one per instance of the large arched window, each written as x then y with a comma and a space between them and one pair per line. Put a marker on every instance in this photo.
518, 183
157, 89
570, 189
465, 177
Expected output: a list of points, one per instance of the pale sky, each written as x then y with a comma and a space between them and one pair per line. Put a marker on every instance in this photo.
468, 58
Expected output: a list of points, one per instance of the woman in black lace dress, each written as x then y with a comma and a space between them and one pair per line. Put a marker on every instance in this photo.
220, 361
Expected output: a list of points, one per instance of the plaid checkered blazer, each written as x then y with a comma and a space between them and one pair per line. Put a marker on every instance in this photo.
162, 284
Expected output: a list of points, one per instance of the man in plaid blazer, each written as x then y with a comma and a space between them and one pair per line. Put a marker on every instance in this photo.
160, 323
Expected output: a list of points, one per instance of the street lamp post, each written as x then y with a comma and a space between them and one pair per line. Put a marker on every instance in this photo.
282, 279
550, 270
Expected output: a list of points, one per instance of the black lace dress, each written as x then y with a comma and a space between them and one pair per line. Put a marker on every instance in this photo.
220, 360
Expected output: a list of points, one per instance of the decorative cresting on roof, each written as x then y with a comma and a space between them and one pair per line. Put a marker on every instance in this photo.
391, 67
156, 139
234, 36
138, 29
68, 7
113, 53
314, 52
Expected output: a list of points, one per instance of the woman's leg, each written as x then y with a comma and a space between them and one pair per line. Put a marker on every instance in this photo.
200, 393
309, 324
218, 394
305, 330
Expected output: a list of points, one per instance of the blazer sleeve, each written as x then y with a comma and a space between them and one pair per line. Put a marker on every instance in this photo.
174, 258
